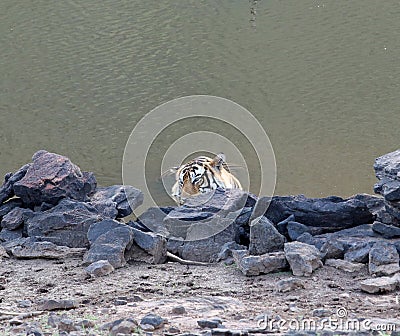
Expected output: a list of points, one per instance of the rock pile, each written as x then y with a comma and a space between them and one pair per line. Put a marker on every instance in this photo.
49, 208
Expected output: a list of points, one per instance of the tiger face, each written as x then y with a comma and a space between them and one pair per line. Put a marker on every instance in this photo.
201, 175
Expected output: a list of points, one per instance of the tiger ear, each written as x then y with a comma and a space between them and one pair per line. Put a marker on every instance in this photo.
218, 161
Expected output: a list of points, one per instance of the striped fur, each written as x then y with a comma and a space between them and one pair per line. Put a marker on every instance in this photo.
201, 175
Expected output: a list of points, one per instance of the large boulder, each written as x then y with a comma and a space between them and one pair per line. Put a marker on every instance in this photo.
51, 177
328, 213
65, 224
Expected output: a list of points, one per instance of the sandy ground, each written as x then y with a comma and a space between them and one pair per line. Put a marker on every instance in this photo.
204, 291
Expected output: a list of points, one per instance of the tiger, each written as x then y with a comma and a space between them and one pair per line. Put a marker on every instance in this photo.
201, 175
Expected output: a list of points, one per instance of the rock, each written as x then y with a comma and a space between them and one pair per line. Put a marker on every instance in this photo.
67, 325
63, 304
387, 231
309, 239
208, 209
53, 320
121, 327
8, 235
282, 225
261, 264
358, 252
3, 252
260, 208
5, 208
126, 198
30, 249
7, 189
65, 224
15, 218
227, 248
295, 229
303, 258
379, 285
178, 310
264, 237
288, 285
330, 212
387, 170
52, 177
333, 249
111, 246
228, 332
209, 323
344, 265
322, 312
100, 228
153, 219
154, 244
85, 324
99, 268
154, 320
383, 259
24, 304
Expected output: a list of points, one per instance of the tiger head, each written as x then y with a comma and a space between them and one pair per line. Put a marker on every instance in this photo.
201, 175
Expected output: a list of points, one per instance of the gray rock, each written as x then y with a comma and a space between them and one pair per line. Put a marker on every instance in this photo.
9, 205
295, 229
379, 285
7, 188
333, 249
344, 265
52, 177
99, 268
260, 208
209, 323
154, 320
65, 224
330, 212
62, 304
387, 231
67, 325
282, 226
383, 259
9, 235
111, 246
3, 252
15, 218
228, 332
125, 197
30, 249
121, 327
262, 264
322, 312
24, 304
303, 258
387, 170
102, 227
153, 218
264, 237
53, 320
309, 239
288, 285
154, 244
178, 310
227, 248
358, 252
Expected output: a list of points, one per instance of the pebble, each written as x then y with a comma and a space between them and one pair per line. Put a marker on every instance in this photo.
99, 268
210, 323
67, 325
178, 310
50, 304
24, 304
154, 320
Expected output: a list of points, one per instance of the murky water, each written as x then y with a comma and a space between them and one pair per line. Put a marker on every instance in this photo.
322, 77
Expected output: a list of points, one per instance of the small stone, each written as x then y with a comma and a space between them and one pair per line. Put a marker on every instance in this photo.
173, 330
119, 302
293, 307
290, 284
123, 326
99, 268
358, 252
50, 304
154, 320
344, 265
333, 249
66, 325
15, 321
264, 237
228, 332
178, 310
24, 304
321, 312
261, 264
53, 320
379, 285
86, 324
209, 323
